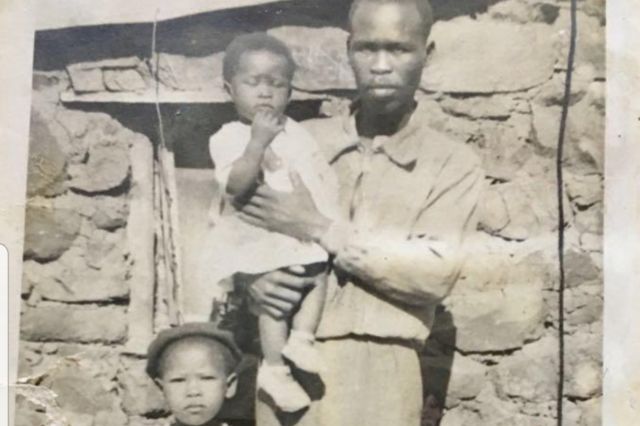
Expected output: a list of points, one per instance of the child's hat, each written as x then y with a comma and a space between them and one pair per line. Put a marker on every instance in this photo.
190, 329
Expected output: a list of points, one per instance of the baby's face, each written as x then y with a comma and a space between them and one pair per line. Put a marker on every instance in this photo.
261, 82
194, 381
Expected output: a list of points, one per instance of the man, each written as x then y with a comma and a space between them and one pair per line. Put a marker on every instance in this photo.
408, 197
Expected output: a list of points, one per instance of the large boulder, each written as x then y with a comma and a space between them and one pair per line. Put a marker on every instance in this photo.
106, 165
498, 302
320, 55
49, 232
95, 271
462, 63
88, 324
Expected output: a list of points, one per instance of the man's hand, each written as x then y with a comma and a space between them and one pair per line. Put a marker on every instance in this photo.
265, 127
277, 293
291, 213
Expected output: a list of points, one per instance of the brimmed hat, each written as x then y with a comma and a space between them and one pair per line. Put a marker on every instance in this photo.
191, 329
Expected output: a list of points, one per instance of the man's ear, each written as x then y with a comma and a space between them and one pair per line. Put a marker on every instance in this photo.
232, 385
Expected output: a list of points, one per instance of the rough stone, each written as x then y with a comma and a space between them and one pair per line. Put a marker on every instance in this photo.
590, 43
590, 412
584, 190
77, 390
529, 205
46, 170
546, 126
106, 165
127, 80
28, 413
590, 220
497, 304
463, 377
70, 323
320, 55
110, 418
461, 62
580, 268
524, 12
496, 411
530, 374
586, 143
493, 214
583, 304
489, 107
85, 79
49, 232
460, 416
110, 212
584, 380
552, 92
178, 72
504, 146
82, 275
140, 395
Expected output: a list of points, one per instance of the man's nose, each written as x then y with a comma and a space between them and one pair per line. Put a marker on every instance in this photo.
381, 63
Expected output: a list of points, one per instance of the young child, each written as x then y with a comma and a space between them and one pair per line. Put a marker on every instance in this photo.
194, 365
265, 146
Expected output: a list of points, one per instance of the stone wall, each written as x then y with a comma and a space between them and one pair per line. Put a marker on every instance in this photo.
495, 80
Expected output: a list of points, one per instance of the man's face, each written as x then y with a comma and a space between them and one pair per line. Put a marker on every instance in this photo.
261, 82
194, 381
387, 51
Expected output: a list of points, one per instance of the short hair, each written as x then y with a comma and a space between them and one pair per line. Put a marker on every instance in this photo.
423, 6
254, 42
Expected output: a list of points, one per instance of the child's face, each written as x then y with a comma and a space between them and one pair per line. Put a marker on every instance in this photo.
261, 82
194, 381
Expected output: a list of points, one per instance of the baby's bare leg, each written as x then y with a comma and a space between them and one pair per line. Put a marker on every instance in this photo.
308, 316
273, 337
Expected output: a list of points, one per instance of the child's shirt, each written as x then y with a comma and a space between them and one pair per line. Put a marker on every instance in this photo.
234, 245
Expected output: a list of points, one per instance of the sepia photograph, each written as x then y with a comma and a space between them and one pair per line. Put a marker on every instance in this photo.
314, 212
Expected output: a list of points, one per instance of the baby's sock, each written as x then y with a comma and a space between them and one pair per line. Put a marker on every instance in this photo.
279, 384
300, 350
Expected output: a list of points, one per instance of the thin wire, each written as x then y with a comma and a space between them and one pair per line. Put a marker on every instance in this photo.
561, 217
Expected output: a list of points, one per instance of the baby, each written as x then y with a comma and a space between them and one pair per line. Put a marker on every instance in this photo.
265, 146
194, 365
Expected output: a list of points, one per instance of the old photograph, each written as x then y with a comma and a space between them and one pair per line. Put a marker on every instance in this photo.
315, 212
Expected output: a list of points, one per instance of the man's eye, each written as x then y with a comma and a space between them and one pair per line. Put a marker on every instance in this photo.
251, 82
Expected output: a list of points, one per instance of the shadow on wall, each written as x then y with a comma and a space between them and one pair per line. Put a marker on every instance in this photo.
187, 127
205, 33
436, 360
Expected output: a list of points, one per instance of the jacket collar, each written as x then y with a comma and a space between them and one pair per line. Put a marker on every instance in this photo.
401, 148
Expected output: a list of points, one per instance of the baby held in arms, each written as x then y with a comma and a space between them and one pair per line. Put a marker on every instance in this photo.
264, 146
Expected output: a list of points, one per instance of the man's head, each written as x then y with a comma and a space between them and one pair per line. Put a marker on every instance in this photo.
194, 365
257, 71
387, 50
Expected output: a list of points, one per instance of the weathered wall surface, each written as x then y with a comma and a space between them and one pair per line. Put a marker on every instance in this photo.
495, 80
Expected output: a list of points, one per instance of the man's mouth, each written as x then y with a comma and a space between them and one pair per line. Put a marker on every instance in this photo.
382, 89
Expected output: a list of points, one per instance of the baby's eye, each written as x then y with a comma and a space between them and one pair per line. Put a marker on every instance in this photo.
177, 380
251, 81
209, 378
